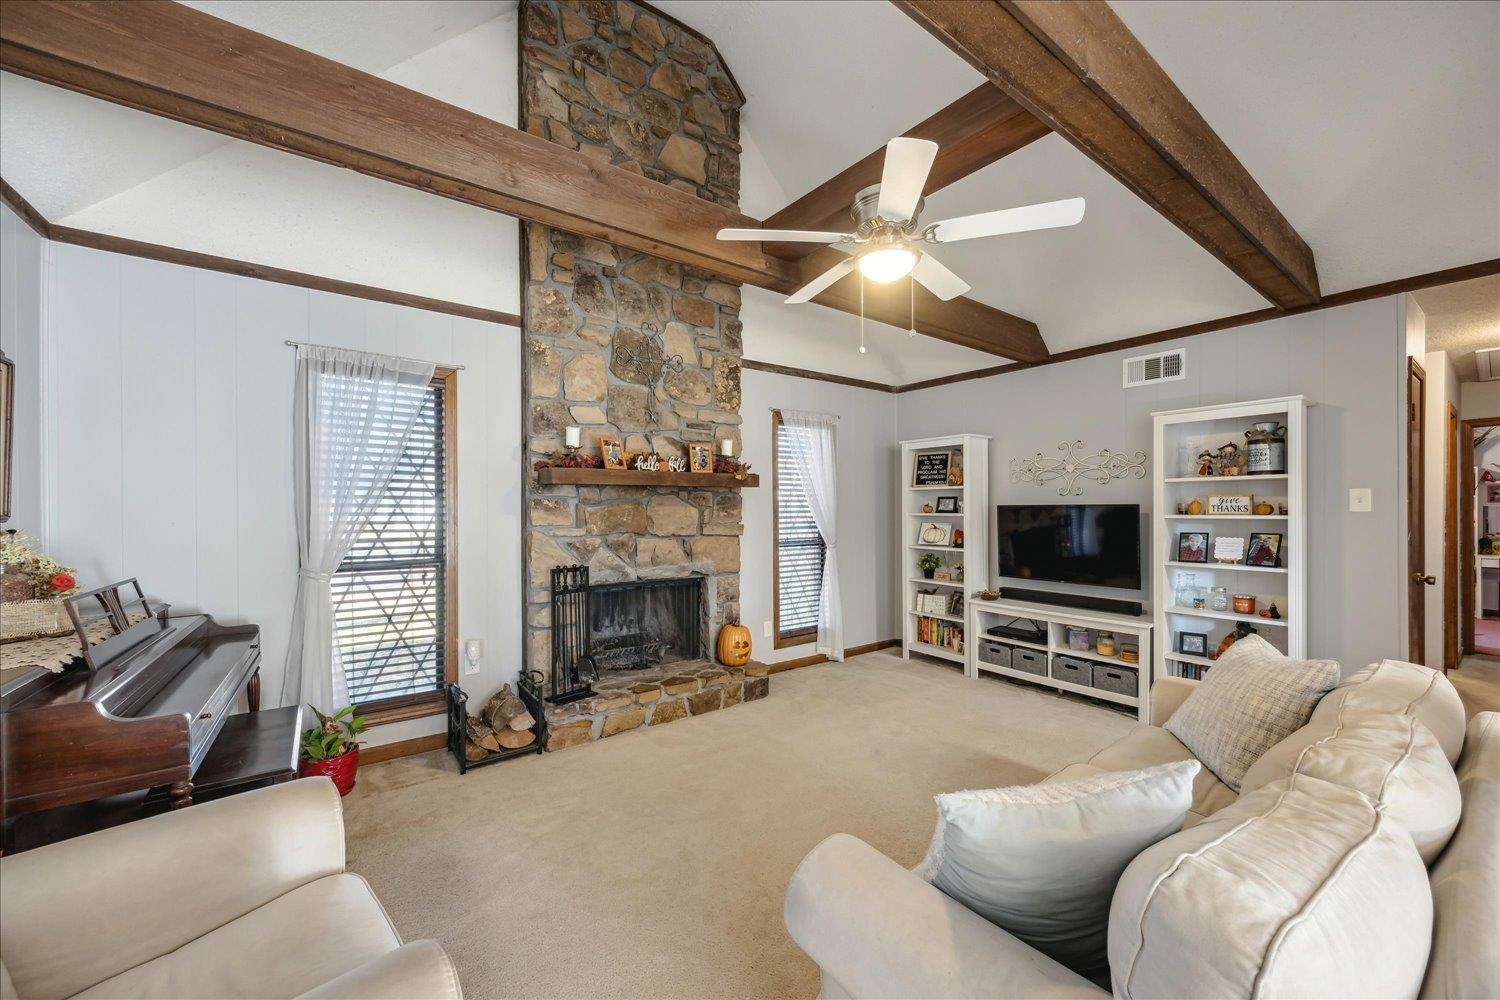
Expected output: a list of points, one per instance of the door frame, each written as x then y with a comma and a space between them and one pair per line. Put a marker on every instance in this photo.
1416, 511
1468, 545
1450, 540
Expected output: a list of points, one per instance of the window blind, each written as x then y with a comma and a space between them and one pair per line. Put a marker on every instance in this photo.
388, 604
799, 546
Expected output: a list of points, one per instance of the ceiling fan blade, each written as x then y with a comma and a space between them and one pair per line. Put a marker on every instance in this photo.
822, 281
937, 279
907, 162
1048, 215
784, 236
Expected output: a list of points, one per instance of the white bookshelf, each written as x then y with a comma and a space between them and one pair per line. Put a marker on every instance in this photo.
972, 451
1178, 437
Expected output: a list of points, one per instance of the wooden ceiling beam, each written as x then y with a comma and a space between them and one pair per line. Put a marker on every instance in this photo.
177, 62
974, 131
1075, 65
180, 63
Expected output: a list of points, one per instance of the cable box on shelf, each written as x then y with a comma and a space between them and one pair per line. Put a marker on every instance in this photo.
1022, 629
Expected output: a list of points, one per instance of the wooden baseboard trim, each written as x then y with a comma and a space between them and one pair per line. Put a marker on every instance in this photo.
850, 653
245, 269
403, 748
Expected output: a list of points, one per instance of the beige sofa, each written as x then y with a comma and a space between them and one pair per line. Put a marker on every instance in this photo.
1372, 921
243, 897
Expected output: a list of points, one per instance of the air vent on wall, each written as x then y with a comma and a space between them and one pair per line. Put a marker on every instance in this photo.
1487, 361
1168, 366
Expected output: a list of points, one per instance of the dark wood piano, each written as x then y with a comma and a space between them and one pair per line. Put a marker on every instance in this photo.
143, 708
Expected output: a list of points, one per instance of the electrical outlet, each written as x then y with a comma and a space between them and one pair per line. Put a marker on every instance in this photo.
1359, 501
765, 630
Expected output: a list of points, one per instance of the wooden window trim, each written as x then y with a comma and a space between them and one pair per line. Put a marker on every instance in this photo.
402, 707
803, 636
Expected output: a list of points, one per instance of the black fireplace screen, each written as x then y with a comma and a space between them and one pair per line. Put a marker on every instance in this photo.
619, 626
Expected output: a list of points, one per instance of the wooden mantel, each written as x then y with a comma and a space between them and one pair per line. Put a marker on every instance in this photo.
635, 477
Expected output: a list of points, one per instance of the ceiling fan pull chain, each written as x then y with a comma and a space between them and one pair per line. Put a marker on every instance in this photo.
861, 312
911, 294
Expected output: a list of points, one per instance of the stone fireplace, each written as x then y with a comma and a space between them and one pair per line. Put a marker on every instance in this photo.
619, 343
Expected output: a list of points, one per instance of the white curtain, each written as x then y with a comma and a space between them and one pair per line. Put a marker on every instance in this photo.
352, 415
814, 464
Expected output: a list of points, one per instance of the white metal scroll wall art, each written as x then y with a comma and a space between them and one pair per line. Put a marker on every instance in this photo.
1101, 468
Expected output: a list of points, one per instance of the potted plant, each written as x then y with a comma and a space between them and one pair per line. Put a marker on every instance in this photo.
331, 747
929, 564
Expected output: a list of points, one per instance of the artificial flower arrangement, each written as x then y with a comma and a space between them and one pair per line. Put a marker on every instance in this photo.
731, 466
568, 460
45, 577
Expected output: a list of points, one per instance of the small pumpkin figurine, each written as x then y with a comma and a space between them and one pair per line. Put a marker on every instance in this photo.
733, 646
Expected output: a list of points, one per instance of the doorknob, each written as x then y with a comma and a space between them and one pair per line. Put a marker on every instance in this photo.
1417, 577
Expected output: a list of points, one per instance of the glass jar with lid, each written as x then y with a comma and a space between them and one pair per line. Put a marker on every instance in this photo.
1106, 644
1218, 599
1189, 594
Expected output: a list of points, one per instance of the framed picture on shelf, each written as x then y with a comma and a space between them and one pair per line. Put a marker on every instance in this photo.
947, 505
930, 468
1265, 549
700, 458
933, 533
1192, 546
1192, 643
613, 453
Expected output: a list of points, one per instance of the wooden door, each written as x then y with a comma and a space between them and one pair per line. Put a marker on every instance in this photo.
1416, 513
1450, 541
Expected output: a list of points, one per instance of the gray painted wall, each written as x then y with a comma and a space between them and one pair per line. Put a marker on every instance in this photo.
21, 252
1345, 360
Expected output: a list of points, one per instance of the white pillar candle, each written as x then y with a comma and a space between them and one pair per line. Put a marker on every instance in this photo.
574, 435
726, 447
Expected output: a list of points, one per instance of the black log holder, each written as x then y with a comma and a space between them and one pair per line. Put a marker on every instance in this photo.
529, 687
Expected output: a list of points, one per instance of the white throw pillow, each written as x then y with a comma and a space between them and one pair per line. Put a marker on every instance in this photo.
1041, 861
1253, 698
1393, 759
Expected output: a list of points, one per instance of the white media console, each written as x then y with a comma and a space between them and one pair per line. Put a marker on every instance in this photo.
1052, 663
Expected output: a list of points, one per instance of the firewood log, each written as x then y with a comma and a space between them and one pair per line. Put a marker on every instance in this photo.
511, 740
502, 707
522, 721
483, 735
473, 751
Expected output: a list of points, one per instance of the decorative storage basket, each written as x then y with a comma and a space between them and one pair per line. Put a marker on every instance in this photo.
1120, 680
1030, 661
20, 620
1073, 670
997, 653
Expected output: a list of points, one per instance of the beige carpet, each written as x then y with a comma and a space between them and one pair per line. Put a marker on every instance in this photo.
653, 864
1478, 681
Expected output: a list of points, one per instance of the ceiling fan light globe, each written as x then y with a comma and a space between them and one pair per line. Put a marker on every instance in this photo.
887, 264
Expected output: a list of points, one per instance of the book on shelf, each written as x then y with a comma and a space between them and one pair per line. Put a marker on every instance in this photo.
1192, 671
935, 632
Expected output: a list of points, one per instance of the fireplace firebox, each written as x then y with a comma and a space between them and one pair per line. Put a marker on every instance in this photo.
597, 629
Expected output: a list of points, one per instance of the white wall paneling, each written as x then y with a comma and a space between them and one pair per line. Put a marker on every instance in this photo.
169, 453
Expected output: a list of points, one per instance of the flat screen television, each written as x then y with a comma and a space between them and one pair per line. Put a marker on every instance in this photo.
1094, 544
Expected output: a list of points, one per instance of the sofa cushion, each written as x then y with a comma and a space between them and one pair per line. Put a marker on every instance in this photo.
1405, 689
1041, 861
1145, 746
1302, 888
1393, 759
292, 944
1466, 879
1253, 698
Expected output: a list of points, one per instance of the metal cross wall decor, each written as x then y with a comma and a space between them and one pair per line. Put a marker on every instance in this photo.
1100, 468
649, 365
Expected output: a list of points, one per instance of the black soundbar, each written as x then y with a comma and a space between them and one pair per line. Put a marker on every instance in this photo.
1132, 608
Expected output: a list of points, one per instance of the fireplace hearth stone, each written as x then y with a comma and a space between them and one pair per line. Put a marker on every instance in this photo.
626, 700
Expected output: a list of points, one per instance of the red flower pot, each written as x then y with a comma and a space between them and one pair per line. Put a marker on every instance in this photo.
341, 769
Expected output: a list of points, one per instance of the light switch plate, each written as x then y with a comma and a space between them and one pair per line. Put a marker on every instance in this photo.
765, 630
1359, 500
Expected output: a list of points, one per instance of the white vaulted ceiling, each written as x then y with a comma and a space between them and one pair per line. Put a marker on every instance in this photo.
1374, 127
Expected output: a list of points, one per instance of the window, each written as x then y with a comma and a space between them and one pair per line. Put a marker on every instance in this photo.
798, 576
394, 618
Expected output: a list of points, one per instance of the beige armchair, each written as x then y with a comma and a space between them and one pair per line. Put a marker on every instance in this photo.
243, 897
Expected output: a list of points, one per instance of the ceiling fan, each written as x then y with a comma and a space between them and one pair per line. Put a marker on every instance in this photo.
888, 243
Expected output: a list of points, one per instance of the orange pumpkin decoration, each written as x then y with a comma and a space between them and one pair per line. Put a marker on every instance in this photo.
733, 646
